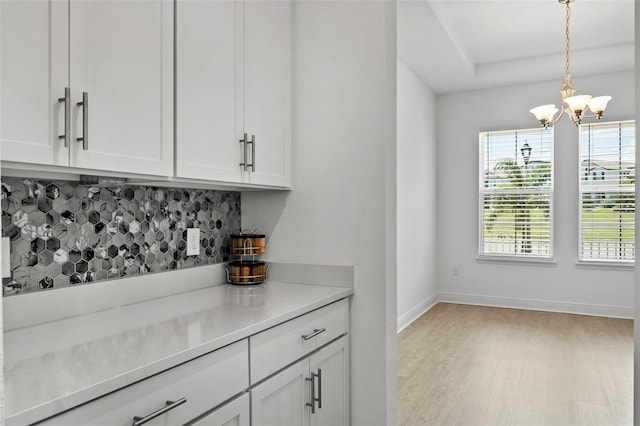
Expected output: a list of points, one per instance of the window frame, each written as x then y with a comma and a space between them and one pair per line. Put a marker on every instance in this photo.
582, 189
528, 258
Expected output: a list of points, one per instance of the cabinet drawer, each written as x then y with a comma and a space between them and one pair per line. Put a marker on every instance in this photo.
283, 344
204, 382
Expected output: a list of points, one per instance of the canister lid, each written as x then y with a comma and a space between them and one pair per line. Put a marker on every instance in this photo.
247, 236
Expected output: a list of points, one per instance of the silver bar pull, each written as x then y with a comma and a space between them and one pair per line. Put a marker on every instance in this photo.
253, 153
85, 120
244, 158
170, 405
319, 376
314, 334
67, 116
311, 404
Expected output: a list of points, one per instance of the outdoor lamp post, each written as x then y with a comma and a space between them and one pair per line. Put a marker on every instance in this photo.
526, 153
526, 237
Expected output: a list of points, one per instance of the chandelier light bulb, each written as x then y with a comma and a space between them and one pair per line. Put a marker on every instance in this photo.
577, 106
598, 104
544, 113
578, 103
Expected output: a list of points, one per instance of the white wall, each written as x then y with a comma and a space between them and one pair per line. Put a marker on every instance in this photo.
342, 208
563, 286
416, 197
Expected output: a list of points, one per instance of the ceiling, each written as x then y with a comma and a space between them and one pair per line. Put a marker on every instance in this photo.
458, 45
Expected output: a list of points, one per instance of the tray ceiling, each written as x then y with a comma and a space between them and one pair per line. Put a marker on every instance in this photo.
456, 45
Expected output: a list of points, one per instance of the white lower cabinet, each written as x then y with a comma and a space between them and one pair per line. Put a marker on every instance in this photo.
314, 391
305, 362
279, 346
173, 397
295, 373
233, 413
281, 399
331, 364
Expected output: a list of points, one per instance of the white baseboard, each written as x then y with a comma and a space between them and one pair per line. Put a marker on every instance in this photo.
415, 312
626, 312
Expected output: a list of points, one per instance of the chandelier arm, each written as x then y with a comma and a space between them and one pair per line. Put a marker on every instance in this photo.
555, 120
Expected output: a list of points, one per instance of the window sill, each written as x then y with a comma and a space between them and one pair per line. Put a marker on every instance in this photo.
508, 260
598, 264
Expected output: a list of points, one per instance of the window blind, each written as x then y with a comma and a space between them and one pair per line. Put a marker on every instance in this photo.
516, 193
607, 192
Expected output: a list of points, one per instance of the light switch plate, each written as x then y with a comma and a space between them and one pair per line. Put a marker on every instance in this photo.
193, 241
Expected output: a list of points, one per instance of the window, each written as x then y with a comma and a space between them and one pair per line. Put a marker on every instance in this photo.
607, 199
516, 193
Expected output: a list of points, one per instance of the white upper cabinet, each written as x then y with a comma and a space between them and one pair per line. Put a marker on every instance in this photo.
233, 65
35, 71
267, 90
116, 58
122, 57
208, 90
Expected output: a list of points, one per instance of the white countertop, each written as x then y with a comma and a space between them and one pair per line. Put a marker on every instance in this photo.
54, 366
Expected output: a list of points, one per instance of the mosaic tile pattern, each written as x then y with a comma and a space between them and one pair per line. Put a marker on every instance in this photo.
64, 233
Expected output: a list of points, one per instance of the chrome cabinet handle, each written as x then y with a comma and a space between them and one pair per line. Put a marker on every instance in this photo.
319, 376
67, 116
253, 153
244, 142
314, 334
312, 404
315, 399
170, 405
85, 120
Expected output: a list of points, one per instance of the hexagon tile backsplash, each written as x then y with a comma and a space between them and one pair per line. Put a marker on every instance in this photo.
63, 233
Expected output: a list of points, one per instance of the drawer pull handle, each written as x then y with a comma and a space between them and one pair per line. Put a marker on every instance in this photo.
314, 334
170, 405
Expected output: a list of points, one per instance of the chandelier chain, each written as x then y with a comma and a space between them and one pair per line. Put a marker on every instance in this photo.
567, 75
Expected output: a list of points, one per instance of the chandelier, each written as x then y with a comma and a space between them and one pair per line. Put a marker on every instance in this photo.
574, 105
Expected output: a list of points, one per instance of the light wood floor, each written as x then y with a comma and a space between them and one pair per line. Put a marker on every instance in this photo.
470, 365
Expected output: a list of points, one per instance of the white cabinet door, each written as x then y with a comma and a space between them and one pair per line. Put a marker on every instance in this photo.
330, 366
121, 55
281, 399
267, 89
285, 399
233, 76
208, 90
234, 413
34, 57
